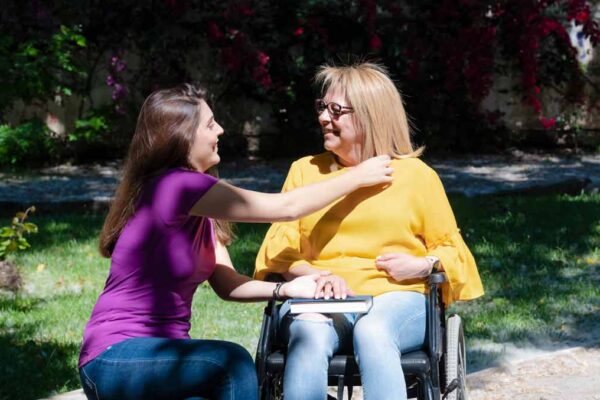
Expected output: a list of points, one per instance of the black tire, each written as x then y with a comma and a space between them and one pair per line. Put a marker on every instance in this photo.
456, 361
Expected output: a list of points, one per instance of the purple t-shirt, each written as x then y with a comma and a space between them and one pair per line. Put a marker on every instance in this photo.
160, 258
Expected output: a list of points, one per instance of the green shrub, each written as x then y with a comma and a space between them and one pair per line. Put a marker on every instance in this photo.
12, 237
26, 144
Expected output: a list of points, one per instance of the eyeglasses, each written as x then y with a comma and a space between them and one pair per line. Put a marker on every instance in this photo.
334, 109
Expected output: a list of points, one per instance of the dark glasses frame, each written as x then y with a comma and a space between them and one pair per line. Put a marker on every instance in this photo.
334, 109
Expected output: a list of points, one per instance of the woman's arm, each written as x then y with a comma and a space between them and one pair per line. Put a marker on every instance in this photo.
230, 285
227, 202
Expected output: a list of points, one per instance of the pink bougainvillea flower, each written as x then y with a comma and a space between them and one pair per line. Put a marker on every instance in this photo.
548, 123
119, 91
375, 43
213, 31
110, 81
263, 58
298, 31
582, 16
121, 66
535, 103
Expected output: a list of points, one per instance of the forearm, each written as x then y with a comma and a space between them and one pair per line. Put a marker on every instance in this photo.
253, 290
300, 270
232, 286
310, 198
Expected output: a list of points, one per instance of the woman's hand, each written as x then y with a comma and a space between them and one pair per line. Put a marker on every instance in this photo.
302, 287
402, 266
332, 286
373, 171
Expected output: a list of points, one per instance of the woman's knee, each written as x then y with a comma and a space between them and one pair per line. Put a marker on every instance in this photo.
237, 355
373, 332
313, 333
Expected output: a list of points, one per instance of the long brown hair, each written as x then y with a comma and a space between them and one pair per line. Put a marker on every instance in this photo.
164, 134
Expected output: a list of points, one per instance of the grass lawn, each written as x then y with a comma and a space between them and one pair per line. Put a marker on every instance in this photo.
538, 257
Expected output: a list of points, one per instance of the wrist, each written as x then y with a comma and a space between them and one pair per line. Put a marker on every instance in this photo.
279, 291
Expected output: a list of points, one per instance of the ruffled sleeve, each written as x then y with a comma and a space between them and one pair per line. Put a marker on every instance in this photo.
443, 240
281, 248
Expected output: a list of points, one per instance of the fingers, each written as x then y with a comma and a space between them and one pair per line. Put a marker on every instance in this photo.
328, 286
385, 257
328, 290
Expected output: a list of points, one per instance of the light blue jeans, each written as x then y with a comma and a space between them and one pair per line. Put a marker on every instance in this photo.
395, 324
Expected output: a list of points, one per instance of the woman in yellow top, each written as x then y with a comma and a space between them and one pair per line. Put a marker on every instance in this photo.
373, 241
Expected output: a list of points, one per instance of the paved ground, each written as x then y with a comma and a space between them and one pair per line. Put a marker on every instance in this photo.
571, 374
529, 374
67, 187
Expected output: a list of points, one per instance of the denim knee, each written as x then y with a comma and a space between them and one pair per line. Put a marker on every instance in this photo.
314, 338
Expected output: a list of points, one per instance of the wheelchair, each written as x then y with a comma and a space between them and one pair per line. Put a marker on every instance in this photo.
435, 372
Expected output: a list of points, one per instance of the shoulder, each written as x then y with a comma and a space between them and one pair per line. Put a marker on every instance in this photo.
414, 167
181, 175
317, 161
174, 180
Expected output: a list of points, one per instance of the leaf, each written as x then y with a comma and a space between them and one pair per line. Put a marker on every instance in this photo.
23, 244
20, 215
30, 227
12, 247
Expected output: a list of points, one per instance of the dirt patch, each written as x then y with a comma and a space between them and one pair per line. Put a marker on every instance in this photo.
571, 374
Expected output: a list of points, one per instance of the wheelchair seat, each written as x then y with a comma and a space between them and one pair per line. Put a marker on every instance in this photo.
414, 363
437, 371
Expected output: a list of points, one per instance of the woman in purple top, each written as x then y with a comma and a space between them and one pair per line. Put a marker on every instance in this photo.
165, 235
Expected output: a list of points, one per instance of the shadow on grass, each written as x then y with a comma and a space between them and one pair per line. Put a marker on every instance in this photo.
32, 369
538, 258
58, 229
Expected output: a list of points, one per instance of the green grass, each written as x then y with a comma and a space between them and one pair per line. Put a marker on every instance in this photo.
538, 257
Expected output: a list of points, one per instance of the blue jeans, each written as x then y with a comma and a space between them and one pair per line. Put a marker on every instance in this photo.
395, 324
158, 368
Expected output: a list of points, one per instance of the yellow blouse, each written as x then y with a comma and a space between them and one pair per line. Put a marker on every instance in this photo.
411, 216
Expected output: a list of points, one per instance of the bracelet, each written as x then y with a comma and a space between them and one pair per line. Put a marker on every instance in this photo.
276, 294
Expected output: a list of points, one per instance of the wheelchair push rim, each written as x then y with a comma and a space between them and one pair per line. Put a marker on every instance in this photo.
456, 366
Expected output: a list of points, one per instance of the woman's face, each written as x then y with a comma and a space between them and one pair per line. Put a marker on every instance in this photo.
340, 135
204, 151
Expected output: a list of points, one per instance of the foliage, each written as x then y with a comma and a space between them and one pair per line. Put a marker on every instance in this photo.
12, 238
26, 144
445, 56
40, 66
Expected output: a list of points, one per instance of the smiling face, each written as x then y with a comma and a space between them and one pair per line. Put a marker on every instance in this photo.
204, 151
340, 134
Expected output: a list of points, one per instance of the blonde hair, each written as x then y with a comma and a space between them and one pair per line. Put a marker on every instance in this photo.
378, 108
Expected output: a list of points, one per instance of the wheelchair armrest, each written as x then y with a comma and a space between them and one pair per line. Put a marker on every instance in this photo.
437, 278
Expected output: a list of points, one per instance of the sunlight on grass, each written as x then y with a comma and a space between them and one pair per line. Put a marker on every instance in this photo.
539, 259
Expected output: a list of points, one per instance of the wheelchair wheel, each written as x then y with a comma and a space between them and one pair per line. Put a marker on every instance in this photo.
456, 362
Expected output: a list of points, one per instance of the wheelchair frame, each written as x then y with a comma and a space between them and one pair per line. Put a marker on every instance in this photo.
435, 373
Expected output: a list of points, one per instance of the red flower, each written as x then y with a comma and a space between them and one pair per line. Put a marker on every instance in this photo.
261, 75
375, 43
245, 10
213, 31
263, 59
548, 123
231, 59
535, 103
582, 16
548, 26
299, 31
